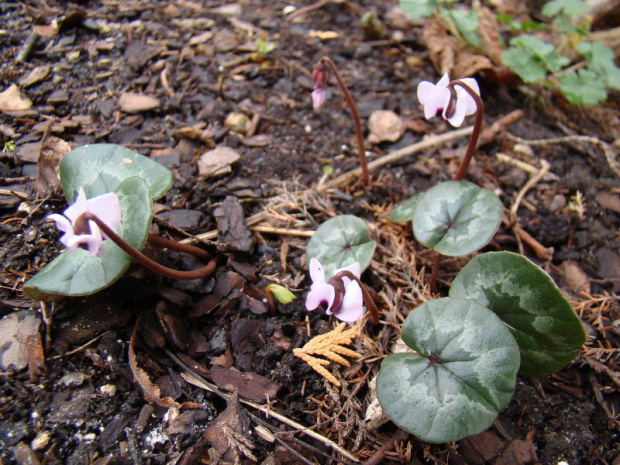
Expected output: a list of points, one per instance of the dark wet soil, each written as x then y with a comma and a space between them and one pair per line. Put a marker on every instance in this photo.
81, 402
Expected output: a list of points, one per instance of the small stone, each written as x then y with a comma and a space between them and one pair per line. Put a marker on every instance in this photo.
225, 40
12, 99
557, 203
184, 219
609, 266
202, 38
16, 330
41, 440
384, 126
237, 122
73, 379
609, 201
108, 390
36, 75
58, 96
131, 102
217, 162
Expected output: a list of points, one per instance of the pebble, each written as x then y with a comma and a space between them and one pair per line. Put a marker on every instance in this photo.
131, 102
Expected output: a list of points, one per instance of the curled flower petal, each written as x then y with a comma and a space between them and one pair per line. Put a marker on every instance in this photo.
106, 207
436, 99
352, 305
64, 225
320, 295
91, 241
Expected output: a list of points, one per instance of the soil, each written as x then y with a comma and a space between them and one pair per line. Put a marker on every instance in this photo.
105, 379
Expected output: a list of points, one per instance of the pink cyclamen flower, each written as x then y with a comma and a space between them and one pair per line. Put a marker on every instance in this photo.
106, 207
319, 76
451, 105
342, 297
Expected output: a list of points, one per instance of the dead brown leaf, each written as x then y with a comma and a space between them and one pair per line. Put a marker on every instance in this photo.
250, 386
441, 46
231, 225
226, 433
52, 153
488, 31
450, 56
152, 393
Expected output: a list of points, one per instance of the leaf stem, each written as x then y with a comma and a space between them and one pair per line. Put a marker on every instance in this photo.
146, 262
355, 116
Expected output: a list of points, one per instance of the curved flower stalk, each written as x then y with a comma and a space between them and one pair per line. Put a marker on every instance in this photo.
77, 234
320, 75
453, 101
343, 296
87, 222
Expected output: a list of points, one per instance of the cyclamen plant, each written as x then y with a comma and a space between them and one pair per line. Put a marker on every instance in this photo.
504, 316
107, 224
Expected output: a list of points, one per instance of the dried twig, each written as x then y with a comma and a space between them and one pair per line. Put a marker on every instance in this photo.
528, 185
608, 151
195, 380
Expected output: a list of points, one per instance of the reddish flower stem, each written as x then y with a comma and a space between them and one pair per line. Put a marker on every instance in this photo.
469, 154
146, 262
356, 119
370, 304
473, 140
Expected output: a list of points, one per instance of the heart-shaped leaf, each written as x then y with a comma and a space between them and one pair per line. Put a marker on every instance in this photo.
340, 242
404, 212
457, 217
99, 168
77, 273
463, 375
548, 331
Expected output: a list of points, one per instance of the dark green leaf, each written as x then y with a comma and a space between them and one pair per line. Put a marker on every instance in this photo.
404, 211
540, 318
99, 168
77, 273
340, 242
457, 217
462, 376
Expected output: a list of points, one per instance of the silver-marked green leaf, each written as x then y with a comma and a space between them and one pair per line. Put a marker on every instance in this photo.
457, 217
527, 300
462, 376
99, 168
404, 212
77, 273
340, 242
